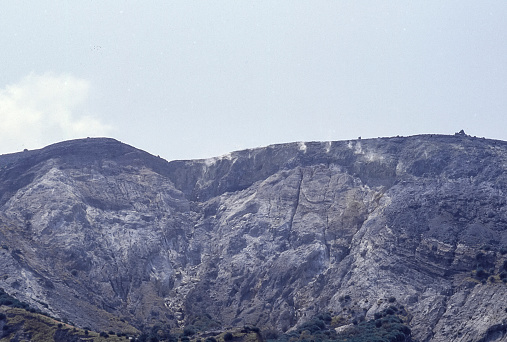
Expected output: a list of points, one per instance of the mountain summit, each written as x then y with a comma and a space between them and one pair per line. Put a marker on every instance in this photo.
102, 234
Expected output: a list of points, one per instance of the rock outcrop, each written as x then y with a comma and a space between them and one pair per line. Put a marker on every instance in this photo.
102, 234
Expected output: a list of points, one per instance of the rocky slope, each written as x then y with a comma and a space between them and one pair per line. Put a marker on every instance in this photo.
103, 235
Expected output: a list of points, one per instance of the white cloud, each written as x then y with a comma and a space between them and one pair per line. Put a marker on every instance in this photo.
43, 109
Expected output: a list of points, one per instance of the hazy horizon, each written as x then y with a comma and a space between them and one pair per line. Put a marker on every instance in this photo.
188, 79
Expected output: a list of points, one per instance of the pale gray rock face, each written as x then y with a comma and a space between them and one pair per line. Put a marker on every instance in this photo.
96, 231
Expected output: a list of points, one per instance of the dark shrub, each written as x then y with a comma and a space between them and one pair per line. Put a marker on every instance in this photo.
389, 311
406, 330
142, 338
189, 331
7, 329
228, 337
481, 273
345, 298
326, 317
312, 326
6, 301
270, 334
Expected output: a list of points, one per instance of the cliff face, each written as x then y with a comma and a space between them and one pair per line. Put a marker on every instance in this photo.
103, 234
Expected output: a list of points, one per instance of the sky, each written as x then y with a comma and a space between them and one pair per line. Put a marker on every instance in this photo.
196, 79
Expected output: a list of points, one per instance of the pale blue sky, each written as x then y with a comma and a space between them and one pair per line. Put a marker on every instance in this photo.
195, 79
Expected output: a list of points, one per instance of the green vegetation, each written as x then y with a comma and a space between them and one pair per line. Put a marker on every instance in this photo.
20, 320
204, 323
386, 327
485, 267
158, 333
21, 324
